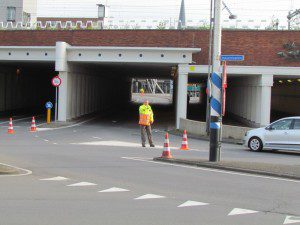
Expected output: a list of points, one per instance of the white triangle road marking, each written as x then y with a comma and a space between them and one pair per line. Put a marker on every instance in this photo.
238, 211
55, 179
291, 219
149, 196
113, 189
81, 184
192, 203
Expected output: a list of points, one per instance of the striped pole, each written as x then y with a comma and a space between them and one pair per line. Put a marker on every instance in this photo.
216, 84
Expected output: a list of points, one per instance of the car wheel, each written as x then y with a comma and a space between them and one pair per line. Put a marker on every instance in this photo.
255, 144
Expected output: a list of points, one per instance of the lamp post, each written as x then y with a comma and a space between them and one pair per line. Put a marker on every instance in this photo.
216, 84
211, 25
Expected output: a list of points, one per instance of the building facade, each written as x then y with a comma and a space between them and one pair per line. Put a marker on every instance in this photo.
18, 11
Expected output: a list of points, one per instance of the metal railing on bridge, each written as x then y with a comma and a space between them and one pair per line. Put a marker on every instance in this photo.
111, 24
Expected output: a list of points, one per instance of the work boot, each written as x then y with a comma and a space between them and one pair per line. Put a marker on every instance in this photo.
143, 145
152, 145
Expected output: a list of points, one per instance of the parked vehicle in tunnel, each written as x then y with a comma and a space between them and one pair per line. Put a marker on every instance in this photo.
283, 134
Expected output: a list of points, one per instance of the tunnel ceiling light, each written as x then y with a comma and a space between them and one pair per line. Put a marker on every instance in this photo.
290, 81
298, 80
280, 81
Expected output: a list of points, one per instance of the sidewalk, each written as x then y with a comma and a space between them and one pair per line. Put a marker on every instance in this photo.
266, 169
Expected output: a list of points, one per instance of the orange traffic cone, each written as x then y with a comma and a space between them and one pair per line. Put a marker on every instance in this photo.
167, 152
184, 144
33, 126
10, 127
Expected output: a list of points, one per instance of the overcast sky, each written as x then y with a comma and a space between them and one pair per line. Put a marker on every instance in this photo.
167, 9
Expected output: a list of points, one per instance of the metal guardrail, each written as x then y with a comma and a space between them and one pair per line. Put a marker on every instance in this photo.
137, 24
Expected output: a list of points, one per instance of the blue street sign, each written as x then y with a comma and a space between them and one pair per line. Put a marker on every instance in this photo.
49, 105
232, 57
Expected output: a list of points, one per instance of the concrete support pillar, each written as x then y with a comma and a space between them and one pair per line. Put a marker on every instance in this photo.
264, 101
61, 66
182, 81
63, 97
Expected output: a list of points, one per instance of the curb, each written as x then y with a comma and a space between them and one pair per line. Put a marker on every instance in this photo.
205, 138
227, 168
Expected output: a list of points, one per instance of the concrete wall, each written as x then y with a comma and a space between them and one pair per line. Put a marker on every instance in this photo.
199, 129
259, 47
286, 98
92, 91
248, 99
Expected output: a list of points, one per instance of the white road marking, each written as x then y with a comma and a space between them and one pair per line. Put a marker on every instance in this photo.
238, 211
17, 120
192, 203
74, 131
292, 219
26, 172
149, 196
115, 143
54, 143
97, 138
46, 140
150, 160
113, 189
64, 127
81, 184
55, 179
111, 143
36, 136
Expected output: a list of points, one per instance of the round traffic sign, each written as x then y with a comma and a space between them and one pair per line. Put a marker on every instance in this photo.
49, 105
56, 81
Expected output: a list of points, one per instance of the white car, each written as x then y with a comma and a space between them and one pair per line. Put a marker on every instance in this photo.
283, 134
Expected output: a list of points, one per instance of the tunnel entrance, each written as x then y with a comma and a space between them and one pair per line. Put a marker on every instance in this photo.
25, 87
285, 98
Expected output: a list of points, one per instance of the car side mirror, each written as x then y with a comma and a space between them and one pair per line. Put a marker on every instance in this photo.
269, 128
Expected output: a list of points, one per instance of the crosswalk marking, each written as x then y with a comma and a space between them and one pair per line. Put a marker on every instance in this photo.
291, 219
238, 211
192, 203
149, 196
81, 184
113, 189
59, 178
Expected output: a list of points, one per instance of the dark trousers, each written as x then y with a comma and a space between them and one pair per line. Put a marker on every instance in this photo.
144, 130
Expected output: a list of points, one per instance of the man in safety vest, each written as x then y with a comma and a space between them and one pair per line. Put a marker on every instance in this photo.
146, 119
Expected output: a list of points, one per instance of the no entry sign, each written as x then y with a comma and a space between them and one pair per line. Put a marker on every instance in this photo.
56, 81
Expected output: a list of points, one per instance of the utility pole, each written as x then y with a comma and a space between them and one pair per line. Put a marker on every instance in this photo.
216, 80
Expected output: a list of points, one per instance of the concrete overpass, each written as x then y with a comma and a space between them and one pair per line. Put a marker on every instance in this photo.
96, 68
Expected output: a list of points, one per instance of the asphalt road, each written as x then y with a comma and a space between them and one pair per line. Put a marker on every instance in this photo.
106, 154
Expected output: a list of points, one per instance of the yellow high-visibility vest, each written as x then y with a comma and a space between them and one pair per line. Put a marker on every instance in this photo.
146, 115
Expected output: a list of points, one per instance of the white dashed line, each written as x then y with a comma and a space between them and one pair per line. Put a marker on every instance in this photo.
192, 203
292, 219
238, 211
55, 179
113, 189
81, 184
149, 196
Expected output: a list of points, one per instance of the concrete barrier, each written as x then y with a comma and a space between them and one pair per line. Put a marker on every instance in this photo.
199, 128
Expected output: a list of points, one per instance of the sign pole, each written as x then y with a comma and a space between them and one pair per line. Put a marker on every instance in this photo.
56, 82
56, 95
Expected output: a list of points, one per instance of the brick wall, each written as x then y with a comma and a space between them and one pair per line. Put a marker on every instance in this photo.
259, 47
